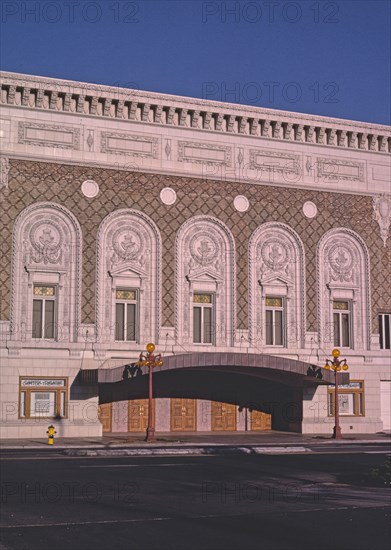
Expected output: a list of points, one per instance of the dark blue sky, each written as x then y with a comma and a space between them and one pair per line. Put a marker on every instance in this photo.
327, 58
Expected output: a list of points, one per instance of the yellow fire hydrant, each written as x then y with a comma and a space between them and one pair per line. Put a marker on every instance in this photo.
51, 431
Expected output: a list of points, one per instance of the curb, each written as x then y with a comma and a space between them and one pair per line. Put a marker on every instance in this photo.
188, 448
210, 450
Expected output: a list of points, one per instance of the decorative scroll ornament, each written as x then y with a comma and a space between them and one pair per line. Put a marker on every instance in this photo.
45, 238
341, 262
382, 214
4, 169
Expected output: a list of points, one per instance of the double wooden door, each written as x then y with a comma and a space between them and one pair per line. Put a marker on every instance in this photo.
260, 421
223, 417
104, 413
138, 415
183, 415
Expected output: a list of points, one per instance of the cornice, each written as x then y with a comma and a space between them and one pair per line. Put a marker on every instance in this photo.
151, 108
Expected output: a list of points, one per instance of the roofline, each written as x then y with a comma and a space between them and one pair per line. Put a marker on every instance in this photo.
220, 105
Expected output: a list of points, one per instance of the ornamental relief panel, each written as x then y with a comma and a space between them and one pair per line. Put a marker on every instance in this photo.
128, 256
127, 244
205, 251
276, 267
343, 273
46, 242
382, 214
205, 263
342, 263
47, 246
275, 255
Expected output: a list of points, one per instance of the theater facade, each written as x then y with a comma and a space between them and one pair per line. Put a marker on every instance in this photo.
245, 243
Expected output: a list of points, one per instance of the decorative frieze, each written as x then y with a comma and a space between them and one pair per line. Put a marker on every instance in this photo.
129, 144
49, 135
274, 161
337, 169
204, 153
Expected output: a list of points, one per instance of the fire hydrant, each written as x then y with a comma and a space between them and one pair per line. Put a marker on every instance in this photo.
51, 431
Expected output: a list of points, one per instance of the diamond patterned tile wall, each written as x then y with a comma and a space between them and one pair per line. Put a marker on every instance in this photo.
30, 182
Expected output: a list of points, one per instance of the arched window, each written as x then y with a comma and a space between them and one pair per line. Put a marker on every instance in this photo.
343, 290
46, 274
276, 287
205, 289
128, 278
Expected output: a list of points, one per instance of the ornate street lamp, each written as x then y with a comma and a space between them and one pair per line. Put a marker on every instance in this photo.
336, 364
150, 360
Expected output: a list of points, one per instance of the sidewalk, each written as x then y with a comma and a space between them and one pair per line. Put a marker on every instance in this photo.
200, 441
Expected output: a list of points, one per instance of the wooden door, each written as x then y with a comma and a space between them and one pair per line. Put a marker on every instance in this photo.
260, 421
138, 415
183, 415
104, 413
223, 416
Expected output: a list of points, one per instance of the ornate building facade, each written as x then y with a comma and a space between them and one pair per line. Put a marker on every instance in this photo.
246, 243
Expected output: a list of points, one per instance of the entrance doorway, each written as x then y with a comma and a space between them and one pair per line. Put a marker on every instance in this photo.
138, 415
104, 413
260, 421
223, 417
183, 415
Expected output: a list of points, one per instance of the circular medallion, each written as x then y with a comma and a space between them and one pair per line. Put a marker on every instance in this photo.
168, 196
309, 209
89, 188
241, 203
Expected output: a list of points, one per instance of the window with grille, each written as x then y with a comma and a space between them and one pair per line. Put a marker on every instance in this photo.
342, 324
275, 329
203, 318
126, 312
44, 312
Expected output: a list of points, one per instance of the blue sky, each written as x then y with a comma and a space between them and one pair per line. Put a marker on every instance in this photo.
327, 58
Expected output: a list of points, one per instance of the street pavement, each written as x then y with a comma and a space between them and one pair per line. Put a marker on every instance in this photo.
323, 500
